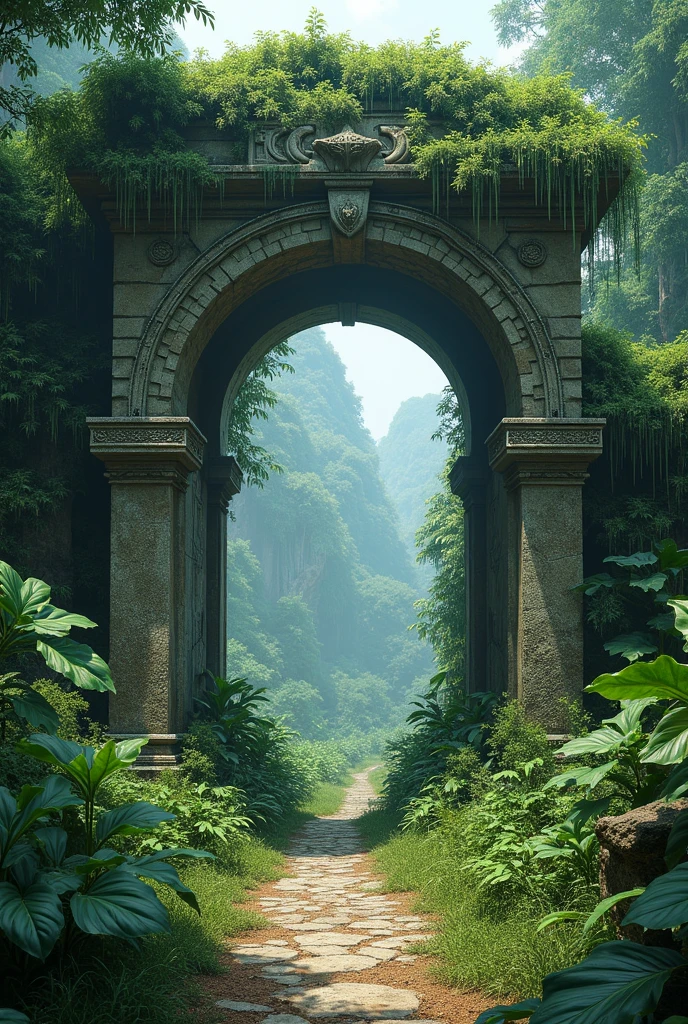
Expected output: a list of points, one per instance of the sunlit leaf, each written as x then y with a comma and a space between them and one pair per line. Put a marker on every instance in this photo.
668, 744
663, 678
664, 904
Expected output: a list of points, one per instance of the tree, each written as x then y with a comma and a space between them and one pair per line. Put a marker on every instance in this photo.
251, 405
631, 56
143, 26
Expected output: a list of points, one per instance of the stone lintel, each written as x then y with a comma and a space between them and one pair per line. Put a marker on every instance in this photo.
544, 451
468, 479
224, 478
147, 449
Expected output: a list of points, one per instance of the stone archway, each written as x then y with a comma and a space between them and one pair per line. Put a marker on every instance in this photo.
193, 316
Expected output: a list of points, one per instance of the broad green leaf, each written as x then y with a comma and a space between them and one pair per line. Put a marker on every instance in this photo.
11, 597
631, 646
616, 983
33, 707
159, 871
77, 662
58, 622
31, 919
636, 560
53, 840
82, 864
680, 607
677, 783
112, 757
558, 916
668, 744
35, 594
8, 1016
670, 555
130, 819
592, 584
601, 741
647, 583
119, 904
582, 776
51, 749
677, 843
605, 905
663, 678
584, 810
501, 1014
629, 718
663, 621
664, 904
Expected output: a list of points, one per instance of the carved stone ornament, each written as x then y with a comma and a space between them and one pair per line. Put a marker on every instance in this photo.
401, 150
285, 146
347, 151
147, 443
532, 253
348, 210
161, 252
544, 450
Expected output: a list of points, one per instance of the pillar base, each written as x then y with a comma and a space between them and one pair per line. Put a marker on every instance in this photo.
161, 751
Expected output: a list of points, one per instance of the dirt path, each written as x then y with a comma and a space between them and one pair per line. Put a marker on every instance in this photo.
337, 951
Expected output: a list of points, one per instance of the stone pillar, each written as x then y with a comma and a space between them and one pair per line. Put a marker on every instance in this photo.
468, 480
544, 463
148, 462
223, 481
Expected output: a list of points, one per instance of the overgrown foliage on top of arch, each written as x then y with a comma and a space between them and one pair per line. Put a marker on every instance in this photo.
466, 122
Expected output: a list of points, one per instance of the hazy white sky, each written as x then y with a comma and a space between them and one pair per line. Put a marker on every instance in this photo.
385, 369
371, 354
372, 20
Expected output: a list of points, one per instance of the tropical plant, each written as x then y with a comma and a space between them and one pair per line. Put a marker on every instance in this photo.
29, 623
621, 741
97, 889
231, 705
621, 981
644, 582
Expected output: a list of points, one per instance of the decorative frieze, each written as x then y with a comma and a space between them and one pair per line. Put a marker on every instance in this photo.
545, 451
346, 151
147, 449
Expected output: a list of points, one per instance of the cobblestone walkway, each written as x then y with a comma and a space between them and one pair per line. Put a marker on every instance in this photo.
342, 951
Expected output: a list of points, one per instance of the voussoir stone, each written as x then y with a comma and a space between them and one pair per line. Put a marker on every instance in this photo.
366, 1002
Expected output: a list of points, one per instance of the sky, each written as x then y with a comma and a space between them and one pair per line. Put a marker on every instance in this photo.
371, 20
385, 369
370, 354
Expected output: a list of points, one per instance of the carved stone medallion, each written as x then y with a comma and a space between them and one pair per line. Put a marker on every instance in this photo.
347, 151
348, 210
532, 253
161, 252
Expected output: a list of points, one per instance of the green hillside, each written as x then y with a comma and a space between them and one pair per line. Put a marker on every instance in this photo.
321, 585
410, 464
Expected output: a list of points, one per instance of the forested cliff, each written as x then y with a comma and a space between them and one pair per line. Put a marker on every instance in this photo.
321, 584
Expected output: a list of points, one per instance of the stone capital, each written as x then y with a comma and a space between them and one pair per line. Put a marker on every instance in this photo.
546, 452
147, 449
224, 479
468, 479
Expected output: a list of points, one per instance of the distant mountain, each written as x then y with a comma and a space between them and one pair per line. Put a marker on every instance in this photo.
410, 463
321, 585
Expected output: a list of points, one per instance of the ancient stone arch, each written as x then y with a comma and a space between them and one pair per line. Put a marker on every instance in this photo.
497, 305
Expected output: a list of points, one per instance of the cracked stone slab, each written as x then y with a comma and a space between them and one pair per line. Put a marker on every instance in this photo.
350, 999
342, 964
284, 1018
262, 954
239, 1007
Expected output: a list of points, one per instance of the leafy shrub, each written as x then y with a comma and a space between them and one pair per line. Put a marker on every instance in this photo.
56, 882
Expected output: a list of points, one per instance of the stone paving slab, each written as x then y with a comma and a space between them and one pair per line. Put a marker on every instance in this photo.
335, 923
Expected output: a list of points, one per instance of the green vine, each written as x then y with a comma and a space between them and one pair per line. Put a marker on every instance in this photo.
467, 125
